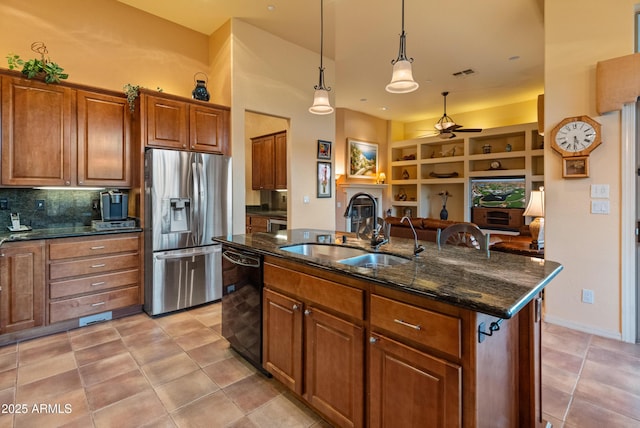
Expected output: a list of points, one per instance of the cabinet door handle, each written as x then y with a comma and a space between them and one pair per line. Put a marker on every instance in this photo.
99, 265
97, 304
406, 324
307, 312
373, 340
94, 284
295, 307
98, 247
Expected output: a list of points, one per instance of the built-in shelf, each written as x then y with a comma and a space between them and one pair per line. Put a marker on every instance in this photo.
434, 165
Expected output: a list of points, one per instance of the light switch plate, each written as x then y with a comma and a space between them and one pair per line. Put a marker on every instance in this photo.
600, 191
599, 207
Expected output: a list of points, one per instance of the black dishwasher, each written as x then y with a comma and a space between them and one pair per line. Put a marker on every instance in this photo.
242, 303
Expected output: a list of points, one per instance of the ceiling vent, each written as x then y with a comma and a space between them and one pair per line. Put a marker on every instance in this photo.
464, 73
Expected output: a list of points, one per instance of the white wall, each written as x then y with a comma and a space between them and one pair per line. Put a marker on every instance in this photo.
273, 76
578, 34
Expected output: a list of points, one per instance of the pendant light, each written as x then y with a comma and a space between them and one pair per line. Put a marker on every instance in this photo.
321, 103
402, 78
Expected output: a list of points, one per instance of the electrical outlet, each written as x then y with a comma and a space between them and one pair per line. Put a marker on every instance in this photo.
4, 204
39, 204
587, 296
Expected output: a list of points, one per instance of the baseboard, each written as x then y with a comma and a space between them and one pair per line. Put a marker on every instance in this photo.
583, 328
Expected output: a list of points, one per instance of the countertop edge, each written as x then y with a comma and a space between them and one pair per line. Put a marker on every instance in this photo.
470, 303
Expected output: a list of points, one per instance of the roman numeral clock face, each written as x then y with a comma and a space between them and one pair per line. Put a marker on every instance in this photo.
576, 136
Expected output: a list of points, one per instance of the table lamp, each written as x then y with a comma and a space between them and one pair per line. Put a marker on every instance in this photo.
536, 209
382, 177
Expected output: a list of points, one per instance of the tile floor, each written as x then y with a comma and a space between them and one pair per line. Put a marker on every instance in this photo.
177, 371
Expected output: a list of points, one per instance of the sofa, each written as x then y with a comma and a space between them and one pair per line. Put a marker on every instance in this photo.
427, 230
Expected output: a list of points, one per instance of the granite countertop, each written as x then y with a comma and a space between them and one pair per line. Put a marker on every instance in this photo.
499, 284
59, 232
267, 213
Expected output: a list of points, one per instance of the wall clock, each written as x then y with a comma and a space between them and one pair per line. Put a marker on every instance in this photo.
576, 136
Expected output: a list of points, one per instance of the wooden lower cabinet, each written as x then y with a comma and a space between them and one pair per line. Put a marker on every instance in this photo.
21, 286
425, 364
410, 388
334, 367
282, 339
315, 352
91, 275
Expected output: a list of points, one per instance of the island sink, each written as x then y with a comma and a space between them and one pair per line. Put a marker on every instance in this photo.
325, 251
374, 260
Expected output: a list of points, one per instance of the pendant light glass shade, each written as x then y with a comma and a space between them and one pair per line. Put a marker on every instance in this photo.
321, 104
402, 77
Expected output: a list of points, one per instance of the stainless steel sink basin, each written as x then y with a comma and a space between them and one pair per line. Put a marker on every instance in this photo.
325, 251
374, 260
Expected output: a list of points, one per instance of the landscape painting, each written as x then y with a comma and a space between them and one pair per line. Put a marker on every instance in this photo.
498, 192
363, 159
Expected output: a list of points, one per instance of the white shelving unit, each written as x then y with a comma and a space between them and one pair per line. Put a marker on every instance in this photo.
434, 165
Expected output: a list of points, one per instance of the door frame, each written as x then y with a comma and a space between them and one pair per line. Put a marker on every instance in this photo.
629, 291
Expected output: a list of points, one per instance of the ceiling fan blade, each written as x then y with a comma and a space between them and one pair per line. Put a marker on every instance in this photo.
469, 130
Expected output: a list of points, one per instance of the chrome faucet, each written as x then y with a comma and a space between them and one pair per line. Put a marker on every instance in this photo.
417, 249
377, 240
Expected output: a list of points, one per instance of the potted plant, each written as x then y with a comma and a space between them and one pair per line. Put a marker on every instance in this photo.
44, 68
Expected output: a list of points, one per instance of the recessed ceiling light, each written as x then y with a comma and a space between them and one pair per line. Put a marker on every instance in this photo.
513, 58
384, 108
271, 8
364, 100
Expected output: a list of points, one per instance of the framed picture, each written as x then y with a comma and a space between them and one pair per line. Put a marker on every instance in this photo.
575, 167
362, 159
323, 176
324, 149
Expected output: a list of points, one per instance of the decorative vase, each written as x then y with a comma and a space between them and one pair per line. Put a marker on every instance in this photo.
444, 214
200, 92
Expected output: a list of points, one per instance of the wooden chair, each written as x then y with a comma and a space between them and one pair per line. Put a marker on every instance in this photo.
463, 234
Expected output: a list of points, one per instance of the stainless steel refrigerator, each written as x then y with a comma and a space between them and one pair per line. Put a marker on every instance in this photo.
187, 203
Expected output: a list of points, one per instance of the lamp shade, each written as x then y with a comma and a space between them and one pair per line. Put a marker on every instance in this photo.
402, 78
321, 103
536, 204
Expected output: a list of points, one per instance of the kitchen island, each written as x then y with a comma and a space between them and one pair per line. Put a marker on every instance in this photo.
447, 338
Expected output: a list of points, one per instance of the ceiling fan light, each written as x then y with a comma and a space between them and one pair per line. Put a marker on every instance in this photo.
321, 103
444, 123
402, 78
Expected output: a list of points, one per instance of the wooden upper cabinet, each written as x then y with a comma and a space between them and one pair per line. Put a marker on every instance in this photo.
104, 140
167, 123
38, 133
281, 160
176, 123
269, 162
263, 167
209, 129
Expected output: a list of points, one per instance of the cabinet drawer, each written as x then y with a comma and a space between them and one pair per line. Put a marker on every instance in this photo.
71, 248
93, 283
93, 265
438, 331
93, 304
344, 299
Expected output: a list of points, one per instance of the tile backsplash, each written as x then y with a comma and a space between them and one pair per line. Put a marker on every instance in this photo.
62, 208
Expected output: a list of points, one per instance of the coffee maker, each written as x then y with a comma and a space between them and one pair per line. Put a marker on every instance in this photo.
114, 209
114, 205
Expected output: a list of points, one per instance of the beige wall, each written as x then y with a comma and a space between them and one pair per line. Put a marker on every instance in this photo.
588, 245
275, 77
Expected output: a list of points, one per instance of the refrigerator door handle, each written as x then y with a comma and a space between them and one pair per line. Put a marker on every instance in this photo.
196, 219
181, 254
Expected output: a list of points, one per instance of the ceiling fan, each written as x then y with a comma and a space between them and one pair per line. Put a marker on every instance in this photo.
445, 127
